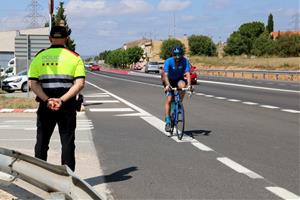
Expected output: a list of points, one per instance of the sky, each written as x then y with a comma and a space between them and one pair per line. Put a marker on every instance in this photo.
99, 25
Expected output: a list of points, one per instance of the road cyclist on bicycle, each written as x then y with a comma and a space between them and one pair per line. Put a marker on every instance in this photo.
175, 68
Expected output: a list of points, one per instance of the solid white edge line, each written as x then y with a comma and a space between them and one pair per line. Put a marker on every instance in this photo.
110, 109
249, 86
283, 193
102, 101
238, 168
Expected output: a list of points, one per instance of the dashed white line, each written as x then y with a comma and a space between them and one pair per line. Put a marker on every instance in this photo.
283, 193
239, 168
209, 96
221, 98
233, 100
249, 103
97, 95
291, 111
268, 106
201, 146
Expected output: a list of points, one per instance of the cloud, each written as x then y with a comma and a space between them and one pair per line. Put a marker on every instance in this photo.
92, 8
134, 6
173, 5
219, 4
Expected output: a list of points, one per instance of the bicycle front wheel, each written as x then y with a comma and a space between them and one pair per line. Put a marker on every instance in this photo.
179, 126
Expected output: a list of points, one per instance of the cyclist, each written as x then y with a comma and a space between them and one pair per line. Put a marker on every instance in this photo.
175, 68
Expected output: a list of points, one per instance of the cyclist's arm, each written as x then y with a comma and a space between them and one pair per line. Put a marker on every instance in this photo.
166, 79
188, 78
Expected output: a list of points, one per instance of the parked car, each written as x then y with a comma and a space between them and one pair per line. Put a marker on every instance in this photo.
152, 66
17, 82
95, 67
161, 64
193, 72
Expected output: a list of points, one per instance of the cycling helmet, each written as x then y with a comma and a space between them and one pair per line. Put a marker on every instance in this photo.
177, 51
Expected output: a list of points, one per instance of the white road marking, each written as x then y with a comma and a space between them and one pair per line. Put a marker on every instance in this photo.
132, 115
221, 98
199, 94
159, 124
110, 109
233, 100
201, 146
102, 101
96, 95
291, 111
283, 193
249, 103
249, 86
209, 96
239, 168
268, 106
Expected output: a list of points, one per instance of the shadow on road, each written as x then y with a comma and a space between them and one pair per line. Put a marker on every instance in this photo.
197, 132
92, 104
121, 175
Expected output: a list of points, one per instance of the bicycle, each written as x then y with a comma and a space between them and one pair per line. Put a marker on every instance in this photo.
177, 113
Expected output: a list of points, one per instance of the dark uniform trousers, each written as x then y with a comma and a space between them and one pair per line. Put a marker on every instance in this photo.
46, 122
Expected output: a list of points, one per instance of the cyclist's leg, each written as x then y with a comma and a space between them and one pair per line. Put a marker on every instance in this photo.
169, 96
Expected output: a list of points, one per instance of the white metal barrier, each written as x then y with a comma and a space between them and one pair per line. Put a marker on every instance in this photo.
41, 178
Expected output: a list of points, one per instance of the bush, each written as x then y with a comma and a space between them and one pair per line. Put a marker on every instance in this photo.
288, 46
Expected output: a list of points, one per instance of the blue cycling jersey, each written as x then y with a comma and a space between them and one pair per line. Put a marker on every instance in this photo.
176, 73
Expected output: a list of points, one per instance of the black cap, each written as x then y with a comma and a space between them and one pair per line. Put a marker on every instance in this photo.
59, 32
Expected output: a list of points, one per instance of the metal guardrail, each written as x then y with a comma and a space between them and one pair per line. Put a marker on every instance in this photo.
258, 74
43, 179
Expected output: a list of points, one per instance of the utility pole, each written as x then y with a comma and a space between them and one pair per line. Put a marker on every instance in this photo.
174, 24
34, 16
296, 21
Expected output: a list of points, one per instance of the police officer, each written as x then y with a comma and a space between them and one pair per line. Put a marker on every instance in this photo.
56, 75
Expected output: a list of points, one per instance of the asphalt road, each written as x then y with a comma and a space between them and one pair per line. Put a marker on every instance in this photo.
242, 142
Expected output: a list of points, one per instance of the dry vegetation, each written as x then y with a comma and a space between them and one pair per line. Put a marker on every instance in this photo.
17, 102
239, 62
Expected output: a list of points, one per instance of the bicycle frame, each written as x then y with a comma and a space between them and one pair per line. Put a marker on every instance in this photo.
178, 106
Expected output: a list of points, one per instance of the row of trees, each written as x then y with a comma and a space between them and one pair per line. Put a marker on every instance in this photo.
252, 38
121, 57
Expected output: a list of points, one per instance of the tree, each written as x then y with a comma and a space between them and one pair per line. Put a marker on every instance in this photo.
270, 26
241, 41
201, 45
103, 55
263, 45
166, 48
236, 45
117, 58
60, 19
134, 54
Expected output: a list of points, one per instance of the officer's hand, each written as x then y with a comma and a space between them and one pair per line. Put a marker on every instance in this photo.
54, 103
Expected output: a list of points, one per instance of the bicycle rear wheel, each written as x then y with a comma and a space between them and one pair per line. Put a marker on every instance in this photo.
179, 126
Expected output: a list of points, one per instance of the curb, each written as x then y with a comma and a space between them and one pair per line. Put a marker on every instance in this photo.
7, 110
